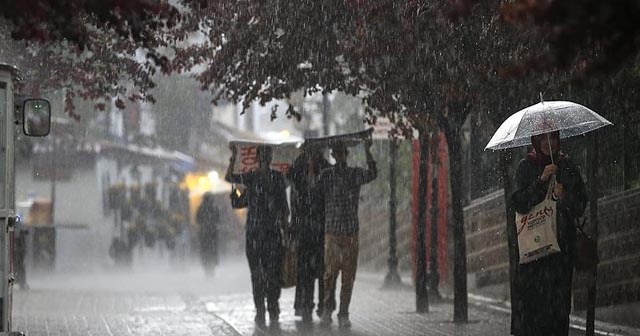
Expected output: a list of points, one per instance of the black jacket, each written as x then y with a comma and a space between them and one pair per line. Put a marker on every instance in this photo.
541, 298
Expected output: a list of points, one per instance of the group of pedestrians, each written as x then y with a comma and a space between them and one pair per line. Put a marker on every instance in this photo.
324, 220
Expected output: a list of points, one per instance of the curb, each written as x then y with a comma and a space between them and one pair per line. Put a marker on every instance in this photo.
576, 323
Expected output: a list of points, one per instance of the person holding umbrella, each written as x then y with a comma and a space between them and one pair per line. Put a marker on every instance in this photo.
307, 217
340, 186
541, 280
542, 288
267, 213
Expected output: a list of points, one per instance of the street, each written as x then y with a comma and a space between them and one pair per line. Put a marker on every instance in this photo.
159, 301
423, 140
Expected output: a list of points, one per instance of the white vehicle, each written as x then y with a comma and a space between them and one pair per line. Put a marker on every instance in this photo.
34, 115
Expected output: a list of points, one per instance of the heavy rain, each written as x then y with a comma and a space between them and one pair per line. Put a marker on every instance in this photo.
379, 167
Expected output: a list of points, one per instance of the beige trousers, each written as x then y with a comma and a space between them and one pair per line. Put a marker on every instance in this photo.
340, 255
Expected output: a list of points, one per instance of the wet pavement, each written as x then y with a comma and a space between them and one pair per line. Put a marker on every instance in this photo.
40, 313
187, 303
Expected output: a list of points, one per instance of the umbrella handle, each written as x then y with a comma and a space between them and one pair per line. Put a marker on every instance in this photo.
552, 183
549, 143
553, 180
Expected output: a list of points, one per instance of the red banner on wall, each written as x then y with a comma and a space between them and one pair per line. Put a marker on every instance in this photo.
443, 201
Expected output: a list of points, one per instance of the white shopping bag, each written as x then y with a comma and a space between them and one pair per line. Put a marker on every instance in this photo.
537, 234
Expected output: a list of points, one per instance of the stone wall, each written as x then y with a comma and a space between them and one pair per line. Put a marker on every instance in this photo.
487, 254
618, 240
619, 252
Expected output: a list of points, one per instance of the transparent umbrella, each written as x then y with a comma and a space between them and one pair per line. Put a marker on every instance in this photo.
569, 118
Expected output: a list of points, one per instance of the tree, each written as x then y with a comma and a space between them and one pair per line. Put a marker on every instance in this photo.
76, 21
587, 36
91, 48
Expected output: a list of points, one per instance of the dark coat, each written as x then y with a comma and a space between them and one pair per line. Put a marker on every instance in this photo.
267, 203
307, 222
208, 217
307, 203
541, 298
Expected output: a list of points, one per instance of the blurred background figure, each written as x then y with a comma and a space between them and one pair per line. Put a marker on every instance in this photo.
208, 218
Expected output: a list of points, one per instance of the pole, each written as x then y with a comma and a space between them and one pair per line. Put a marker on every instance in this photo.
53, 177
325, 113
422, 298
393, 278
512, 237
593, 214
434, 276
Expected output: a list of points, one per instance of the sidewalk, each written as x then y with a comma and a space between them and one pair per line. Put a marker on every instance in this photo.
488, 303
187, 303
82, 313
374, 311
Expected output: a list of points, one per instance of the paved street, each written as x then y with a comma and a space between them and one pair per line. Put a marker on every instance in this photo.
158, 302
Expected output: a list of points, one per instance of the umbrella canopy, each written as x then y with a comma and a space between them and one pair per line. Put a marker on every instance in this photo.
349, 139
285, 153
569, 118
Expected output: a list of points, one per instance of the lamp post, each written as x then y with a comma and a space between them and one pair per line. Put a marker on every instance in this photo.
593, 212
422, 295
434, 276
326, 109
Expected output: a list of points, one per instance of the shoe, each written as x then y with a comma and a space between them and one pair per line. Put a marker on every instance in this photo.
260, 320
326, 320
274, 327
343, 321
307, 317
274, 311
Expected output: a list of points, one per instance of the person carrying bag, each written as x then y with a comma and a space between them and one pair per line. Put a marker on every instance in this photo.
549, 195
537, 229
239, 199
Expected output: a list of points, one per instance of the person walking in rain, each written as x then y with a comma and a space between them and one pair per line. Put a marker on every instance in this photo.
208, 218
340, 186
542, 288
308, 224
266, 214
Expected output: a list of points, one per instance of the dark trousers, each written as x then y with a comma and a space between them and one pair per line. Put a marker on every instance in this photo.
310, 269
264, 254
209, 251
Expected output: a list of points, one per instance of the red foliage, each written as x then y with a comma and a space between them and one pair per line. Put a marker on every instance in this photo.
44, 21
590, 36
405, 57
